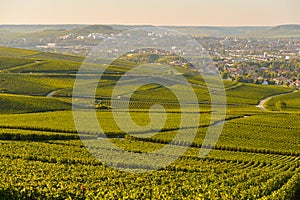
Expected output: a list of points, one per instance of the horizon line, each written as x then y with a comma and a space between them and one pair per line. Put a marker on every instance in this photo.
166, 25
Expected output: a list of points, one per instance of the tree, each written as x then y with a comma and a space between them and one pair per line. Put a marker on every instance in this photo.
280, 105
238, 78
235, 64
224, 75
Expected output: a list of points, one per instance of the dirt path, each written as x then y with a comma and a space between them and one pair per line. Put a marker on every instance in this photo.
261, 104
50, 94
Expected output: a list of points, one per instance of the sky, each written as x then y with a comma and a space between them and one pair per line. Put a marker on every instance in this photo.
152, 12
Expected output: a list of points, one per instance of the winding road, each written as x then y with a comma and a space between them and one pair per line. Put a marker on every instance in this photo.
52, 93
262, 102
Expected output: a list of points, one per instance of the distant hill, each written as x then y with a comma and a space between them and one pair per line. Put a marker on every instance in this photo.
214, 31
292, 30
291, 27
281, 31
29, 28
93, 29
50, 33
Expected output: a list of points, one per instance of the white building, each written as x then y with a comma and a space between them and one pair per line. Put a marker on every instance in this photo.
51, 45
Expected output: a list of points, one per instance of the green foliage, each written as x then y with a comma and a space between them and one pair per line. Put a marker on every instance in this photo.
33, 84
41, 156
224, 75
145, 58
17, 104
54, 56
269, 134
280, 105
6, 62
66, 170
37, 121
251, 93
35, 135
53, 66
14, 52
291, 100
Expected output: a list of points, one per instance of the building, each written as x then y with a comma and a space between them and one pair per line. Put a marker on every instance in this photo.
51, 45
265, 82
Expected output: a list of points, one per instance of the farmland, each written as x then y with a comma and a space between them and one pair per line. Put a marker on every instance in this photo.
43, 156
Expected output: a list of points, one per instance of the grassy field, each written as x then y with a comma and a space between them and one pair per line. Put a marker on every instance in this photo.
37, 84
251, 93
291, 100
7, 62
14, 52
23, 104
43, 156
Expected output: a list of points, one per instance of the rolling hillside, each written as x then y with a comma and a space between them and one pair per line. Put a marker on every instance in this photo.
44, 154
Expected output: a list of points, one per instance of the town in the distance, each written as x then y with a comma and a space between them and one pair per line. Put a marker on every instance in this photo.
260, 55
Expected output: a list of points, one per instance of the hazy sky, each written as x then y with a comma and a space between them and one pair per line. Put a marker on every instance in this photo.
155, 12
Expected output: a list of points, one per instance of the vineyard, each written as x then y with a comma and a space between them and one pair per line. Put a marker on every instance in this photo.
292, 101
43, 156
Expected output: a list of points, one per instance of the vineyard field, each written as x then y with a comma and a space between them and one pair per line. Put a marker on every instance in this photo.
291, 100
45, 155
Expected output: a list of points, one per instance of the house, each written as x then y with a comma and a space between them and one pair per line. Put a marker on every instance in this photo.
277, 81
297, 83
51, 45
265, 82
